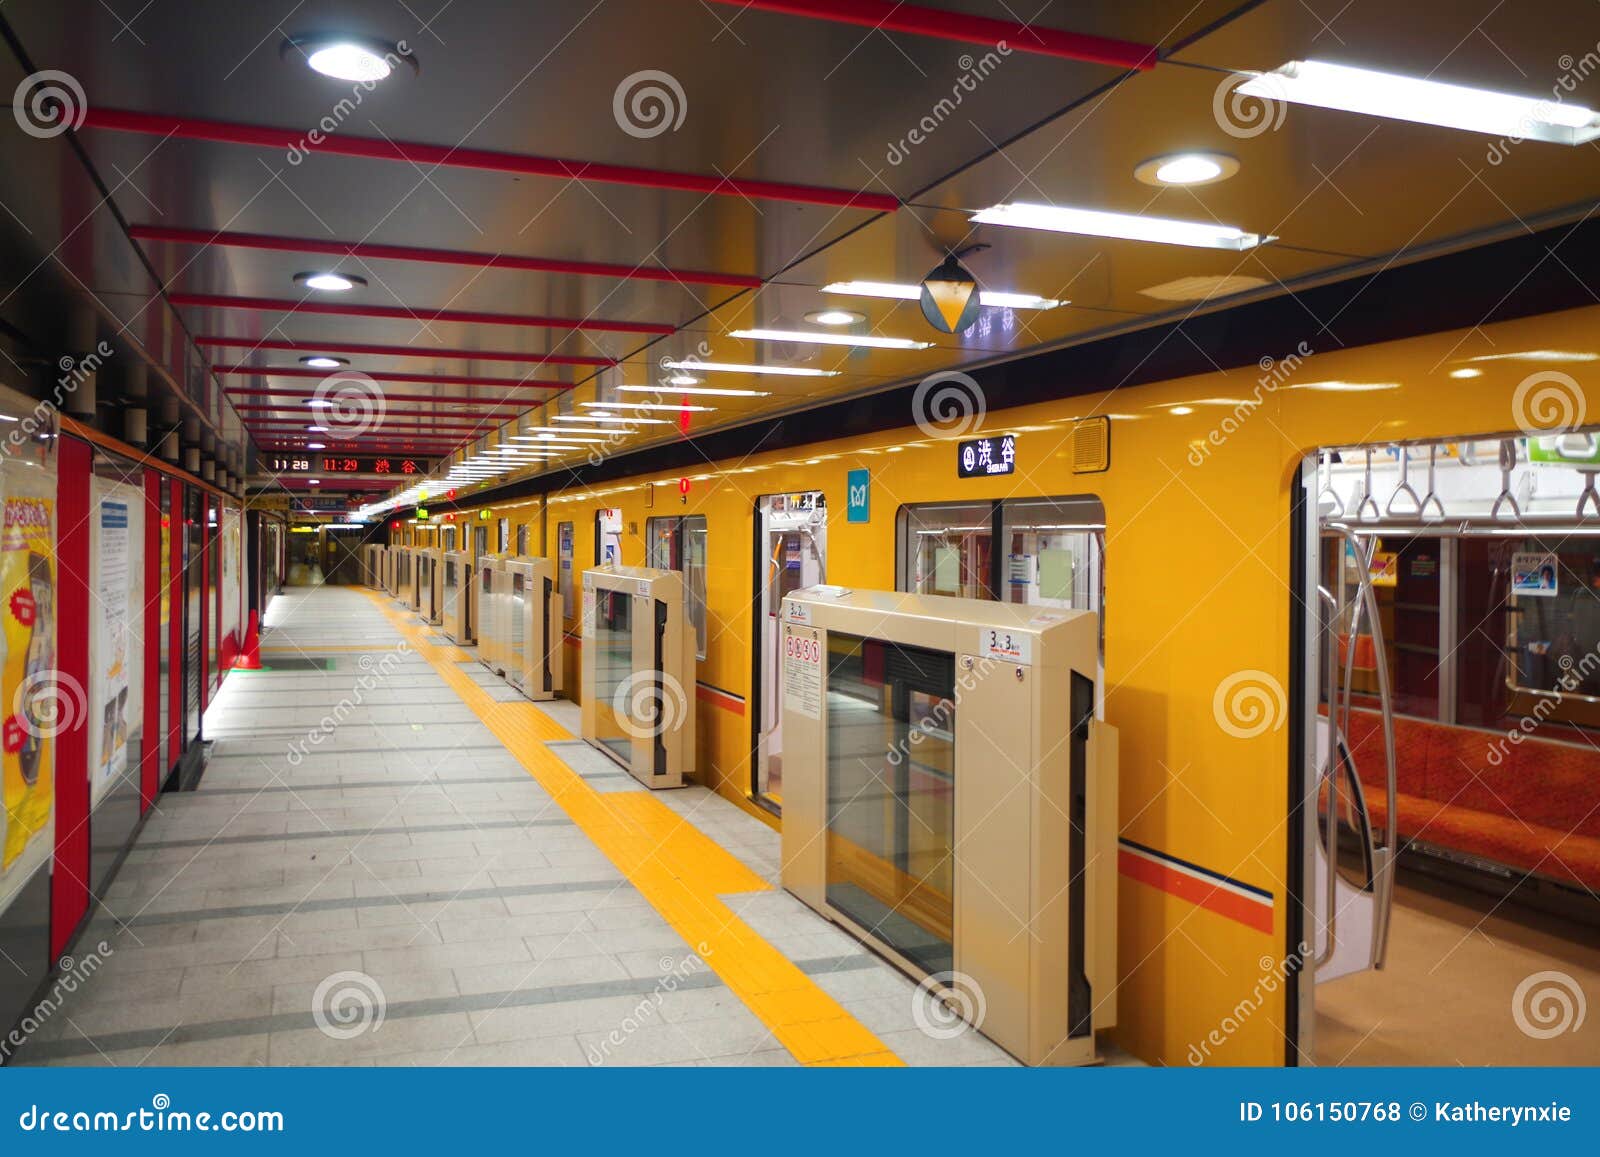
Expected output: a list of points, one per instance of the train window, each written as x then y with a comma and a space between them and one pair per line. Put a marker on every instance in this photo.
1051, 550
948, 549
448, 538
564, 567
679, 543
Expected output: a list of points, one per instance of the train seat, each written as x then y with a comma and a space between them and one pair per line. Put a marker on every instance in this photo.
1534, 805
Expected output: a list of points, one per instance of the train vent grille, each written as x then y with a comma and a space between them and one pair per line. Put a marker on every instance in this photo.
1091, 445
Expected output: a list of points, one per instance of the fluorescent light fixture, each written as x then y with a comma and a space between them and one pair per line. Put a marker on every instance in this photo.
565, 440
682, 379
606, 418
740, 368
1466, 372
1428, 102
1128, 226
815, 337
316, 429
710, 390
320, 403
569, 430
903, 292
1538, 356
316, 445
648, 406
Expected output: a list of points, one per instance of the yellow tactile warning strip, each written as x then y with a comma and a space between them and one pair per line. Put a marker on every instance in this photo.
676, 867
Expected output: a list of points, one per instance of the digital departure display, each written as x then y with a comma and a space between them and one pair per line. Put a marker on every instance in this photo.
347, 464
982, 457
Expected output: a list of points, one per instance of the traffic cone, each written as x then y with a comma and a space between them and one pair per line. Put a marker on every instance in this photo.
250, 654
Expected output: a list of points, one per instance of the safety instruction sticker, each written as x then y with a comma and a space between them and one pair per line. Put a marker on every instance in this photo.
1007, 646
797, 612
802, 671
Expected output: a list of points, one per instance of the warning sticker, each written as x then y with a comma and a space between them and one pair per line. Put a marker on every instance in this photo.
797, 612
1007, 647
802, 671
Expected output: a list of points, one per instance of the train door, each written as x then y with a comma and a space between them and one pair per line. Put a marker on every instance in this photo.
1448, 758
791, 552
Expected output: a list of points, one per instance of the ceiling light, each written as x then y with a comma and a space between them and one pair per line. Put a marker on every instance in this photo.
565, 430
1181, 411
835, 317
316, 445
324, 362
800, 335
648, 406
1128, 226
1187, 169
315, 481
320, 403
903, 292
326, 282
1346, 387
740, 368
352, 58
1538, 356
316, 429
605, 418
568, 441
710, 390
1466, 372
1429, 102
681, 379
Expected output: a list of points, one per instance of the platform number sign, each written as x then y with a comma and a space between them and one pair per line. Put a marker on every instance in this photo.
982, 457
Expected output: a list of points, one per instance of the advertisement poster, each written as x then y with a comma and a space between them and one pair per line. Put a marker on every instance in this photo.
108, 737
35, 707
1533, 573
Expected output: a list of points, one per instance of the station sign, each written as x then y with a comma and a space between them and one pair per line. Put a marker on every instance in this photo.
983, 457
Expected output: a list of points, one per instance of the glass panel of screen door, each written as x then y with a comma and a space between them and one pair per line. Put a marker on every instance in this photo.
791, 545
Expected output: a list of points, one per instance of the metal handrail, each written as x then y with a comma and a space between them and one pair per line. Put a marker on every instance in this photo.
1330, 826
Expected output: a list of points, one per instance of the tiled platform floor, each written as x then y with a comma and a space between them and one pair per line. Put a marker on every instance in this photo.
403, 859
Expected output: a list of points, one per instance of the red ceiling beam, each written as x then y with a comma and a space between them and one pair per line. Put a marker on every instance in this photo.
370, 252
421, 379
516, 405
401, 351
379, 426
943, 24
340, 144
421, 315
279, 408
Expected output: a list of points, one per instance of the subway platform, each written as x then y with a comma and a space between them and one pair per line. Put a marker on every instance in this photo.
394, 859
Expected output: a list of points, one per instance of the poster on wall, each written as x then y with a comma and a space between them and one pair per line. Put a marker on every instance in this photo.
36, 707
108, 737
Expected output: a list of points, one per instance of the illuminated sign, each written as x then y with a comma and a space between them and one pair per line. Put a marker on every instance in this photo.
985, 456
348, 464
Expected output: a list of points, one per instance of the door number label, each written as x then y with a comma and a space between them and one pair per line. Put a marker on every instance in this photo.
1007, 646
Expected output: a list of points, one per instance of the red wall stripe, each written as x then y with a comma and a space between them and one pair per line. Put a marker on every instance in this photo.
150, 762
1212, 897
69, 879
174, 626
342, 144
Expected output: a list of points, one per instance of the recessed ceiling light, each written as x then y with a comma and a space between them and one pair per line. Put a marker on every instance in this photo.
316, 429
1466, 372
1429, 102
315, 481
903, 292
869, 341
319, 402
316, 445
712, 390
681, 379
357, 59
330, 282
835, 317
324, 362
1187, 169
741, 368
1181, 411
1127, 226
